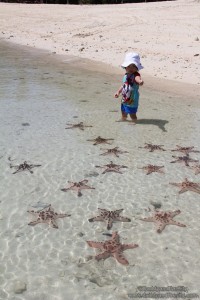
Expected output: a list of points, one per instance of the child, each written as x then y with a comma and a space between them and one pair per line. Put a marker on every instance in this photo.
130, 87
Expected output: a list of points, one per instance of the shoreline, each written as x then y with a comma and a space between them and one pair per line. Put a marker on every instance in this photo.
165, 34
151, 83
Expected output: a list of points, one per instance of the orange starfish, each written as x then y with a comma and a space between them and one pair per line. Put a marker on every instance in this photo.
110, 216
153, 147
185, 150
78, 186
46, 215
163, 218
112, 168
185, 159
187, 186
114, 151
112, 247
100, 140
80, 125
151, 168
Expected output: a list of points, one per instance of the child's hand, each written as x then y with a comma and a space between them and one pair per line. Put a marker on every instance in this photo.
116, 95
141, 82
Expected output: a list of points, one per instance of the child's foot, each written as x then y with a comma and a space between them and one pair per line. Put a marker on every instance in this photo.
122, 120
133, 121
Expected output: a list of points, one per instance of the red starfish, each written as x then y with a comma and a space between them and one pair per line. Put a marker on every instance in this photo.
78, 186
78, 125
185, 150
185, 159
188, 186
153, 147
100, 140
151, 168
112, 247
114, 151
46, 215
163, 218
112, 168
24, 166
110, 216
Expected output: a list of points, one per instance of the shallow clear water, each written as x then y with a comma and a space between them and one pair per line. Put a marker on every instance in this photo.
39, 95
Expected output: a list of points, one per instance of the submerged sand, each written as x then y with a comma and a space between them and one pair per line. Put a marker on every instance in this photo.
39, 96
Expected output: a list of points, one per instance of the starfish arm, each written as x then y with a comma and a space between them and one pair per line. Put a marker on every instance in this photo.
87, 187
34, 213
109, 224
120, 258
160, 226
33, 223
30, 170
118, 211
105, 153
183, 190
172, 214
160, 171
53, 223
98, 245
173, 222
193, 189
176, 184
103, 255
122, 219
65, 189
102, 210
84, 181
115, 236
56, 215
97, 218
149, 172
129, 246
17, 171
148, 219
174, 161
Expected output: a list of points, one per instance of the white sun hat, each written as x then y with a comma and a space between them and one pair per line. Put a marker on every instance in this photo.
132, 58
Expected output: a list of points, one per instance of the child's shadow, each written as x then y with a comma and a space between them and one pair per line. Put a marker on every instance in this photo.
160, 123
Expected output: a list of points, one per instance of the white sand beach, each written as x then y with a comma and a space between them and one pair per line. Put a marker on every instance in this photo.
52, 83
165, 34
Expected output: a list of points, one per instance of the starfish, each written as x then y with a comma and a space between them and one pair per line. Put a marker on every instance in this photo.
153, 147
112, 168
185, 159
100, 140
151, 168
46, 215
185, 150
196, 168
112, 247
78, 186
24, 166
114, 151
78, 125
187, 186
163, 218
110, 216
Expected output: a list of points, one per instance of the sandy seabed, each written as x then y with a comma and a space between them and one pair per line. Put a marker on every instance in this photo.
39, 96
42, 91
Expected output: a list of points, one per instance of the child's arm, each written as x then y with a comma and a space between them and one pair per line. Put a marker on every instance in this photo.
118, 92
138, 79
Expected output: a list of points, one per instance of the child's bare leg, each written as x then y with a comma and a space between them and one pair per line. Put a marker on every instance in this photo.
124, 116
133, 117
